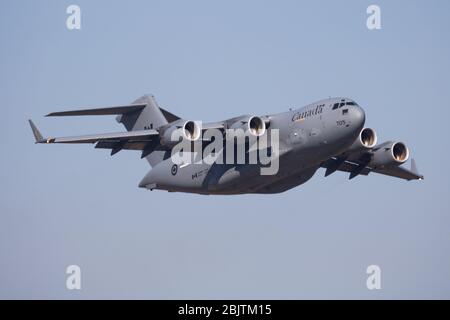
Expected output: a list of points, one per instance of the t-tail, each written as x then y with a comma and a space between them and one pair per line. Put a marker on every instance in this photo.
141, 118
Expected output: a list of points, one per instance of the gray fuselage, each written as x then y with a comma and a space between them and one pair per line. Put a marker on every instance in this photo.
307, 137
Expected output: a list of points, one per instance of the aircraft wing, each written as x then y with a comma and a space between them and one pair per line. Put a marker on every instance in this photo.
132, 140
213, 125
402, 172
357, 167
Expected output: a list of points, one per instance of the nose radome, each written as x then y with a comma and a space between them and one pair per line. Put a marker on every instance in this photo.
358, 116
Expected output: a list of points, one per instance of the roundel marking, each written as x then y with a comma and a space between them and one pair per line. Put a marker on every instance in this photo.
174, 169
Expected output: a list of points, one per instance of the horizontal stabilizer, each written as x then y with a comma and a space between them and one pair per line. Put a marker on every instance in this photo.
169, 115
100, 111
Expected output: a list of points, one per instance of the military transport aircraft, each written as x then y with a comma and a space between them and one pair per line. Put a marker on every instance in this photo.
329, 133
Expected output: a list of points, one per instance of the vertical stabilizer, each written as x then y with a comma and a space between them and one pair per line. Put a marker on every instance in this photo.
150, 117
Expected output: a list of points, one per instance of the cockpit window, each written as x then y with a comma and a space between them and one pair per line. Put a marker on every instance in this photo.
343, 103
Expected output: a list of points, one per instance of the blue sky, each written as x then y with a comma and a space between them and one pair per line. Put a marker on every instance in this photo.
209, 60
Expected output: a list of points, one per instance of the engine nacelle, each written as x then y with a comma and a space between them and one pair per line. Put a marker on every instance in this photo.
190, 130
367, 139
393, 154
253, 125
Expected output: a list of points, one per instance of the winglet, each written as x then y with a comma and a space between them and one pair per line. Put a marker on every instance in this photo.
414, 169
37, 135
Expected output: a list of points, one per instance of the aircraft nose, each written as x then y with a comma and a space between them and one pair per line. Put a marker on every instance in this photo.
358, 116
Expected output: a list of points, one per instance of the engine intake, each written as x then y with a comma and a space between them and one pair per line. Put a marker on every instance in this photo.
400, 152
367, 139
394, 154
249, 125
189, 130
256, 126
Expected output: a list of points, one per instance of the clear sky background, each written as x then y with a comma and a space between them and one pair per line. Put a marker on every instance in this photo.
209, 60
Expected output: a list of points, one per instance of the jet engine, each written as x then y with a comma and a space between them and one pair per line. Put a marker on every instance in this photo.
189, 130
394, 154
367, 139
253, 125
